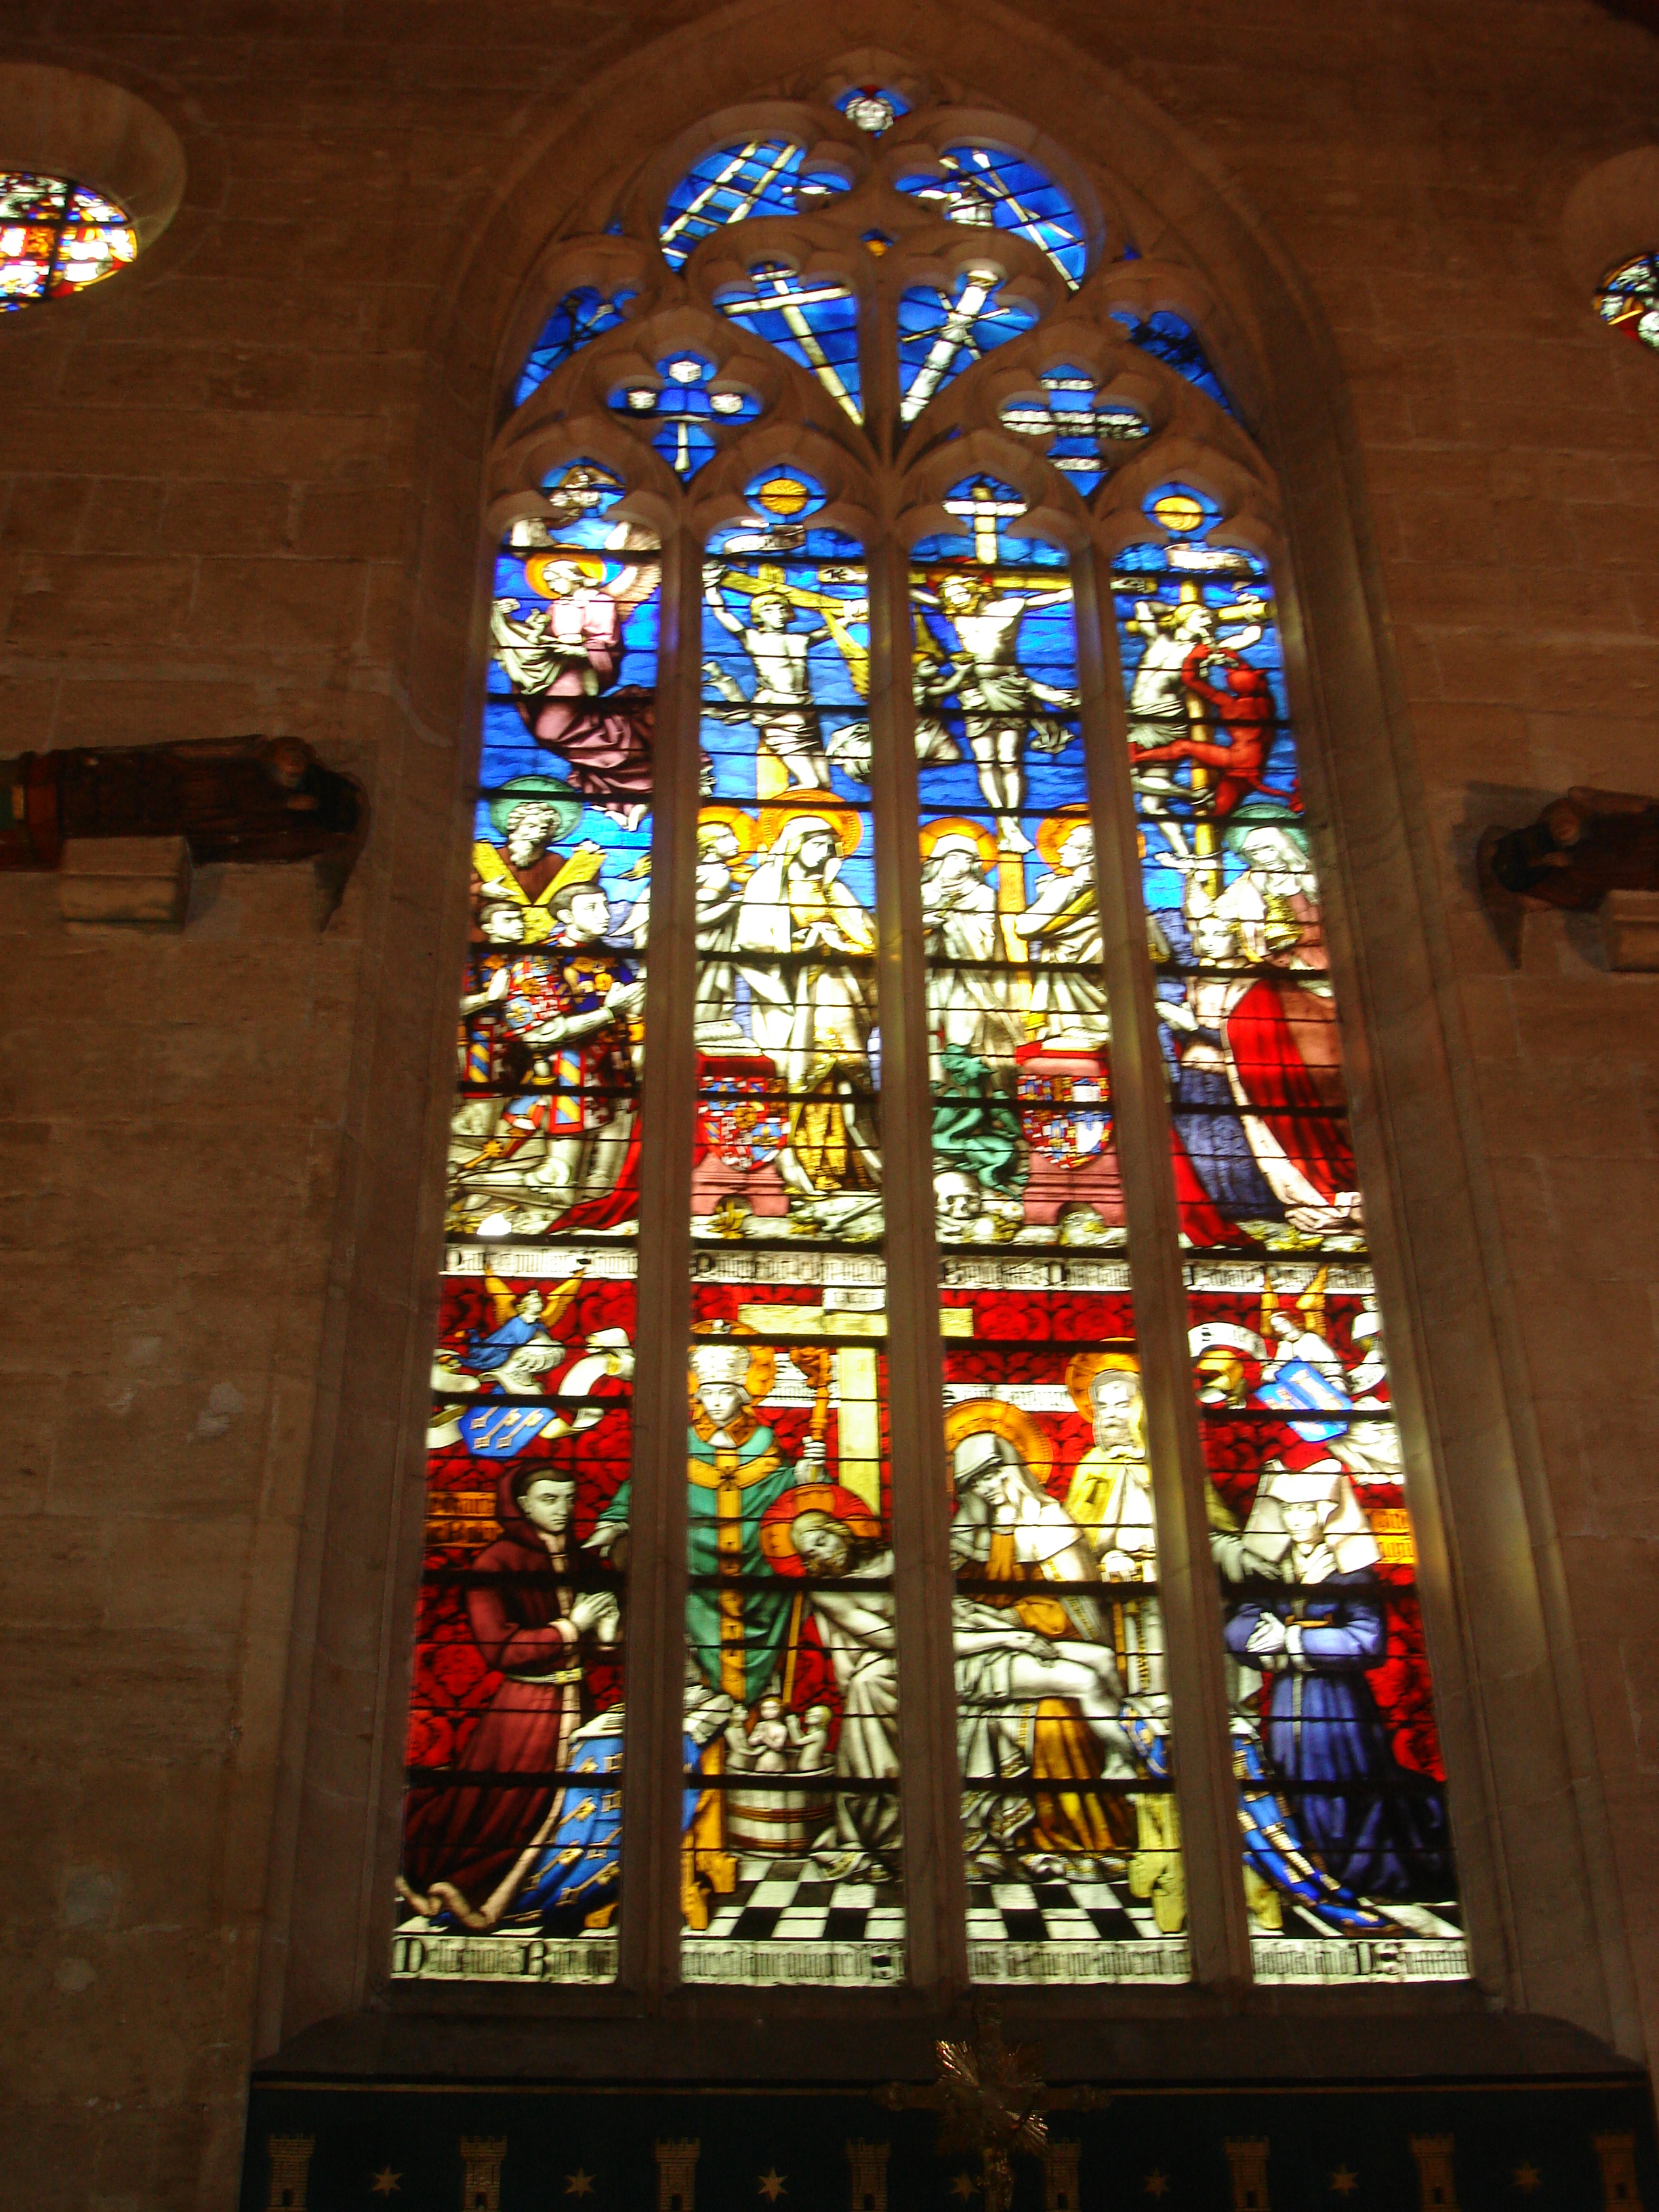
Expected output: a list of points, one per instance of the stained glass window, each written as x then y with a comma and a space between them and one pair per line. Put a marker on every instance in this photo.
942, 333
1348, 1858
813, 320
791, 1565
1629, 299
514, 1805
583, 314
1084, 431
902, 917
985, 187
683, 405
759, 177
58, 237
1168, 338
1072, 1850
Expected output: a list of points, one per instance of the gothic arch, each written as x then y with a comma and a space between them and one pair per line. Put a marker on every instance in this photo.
1547, 1927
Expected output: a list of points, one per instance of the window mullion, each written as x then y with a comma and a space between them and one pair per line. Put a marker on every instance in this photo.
929, 1782
653, 1781
1191, 1605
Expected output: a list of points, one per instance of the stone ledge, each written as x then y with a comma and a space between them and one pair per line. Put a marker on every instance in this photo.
1629, 931
125, 883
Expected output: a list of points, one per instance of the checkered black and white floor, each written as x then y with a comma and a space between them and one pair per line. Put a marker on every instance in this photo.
784, 1913
787, 1922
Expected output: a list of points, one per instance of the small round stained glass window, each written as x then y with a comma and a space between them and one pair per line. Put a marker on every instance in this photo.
1629, 298
57, 237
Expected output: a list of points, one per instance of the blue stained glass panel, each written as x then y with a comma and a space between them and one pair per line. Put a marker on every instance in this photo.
786, 495
814, 320
683, 411
787, 669
583, 314
941, 334
995, 669
1083, 431
763, 176
1171, 339
977, 184
685, 446
571, 689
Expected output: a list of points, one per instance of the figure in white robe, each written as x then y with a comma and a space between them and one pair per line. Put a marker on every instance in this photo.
805, 947
967, 999
1062, 933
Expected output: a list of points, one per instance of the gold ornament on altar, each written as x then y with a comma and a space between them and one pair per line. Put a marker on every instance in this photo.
990, 2097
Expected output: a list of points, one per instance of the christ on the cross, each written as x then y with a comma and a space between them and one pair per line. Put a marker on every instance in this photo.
1001, 705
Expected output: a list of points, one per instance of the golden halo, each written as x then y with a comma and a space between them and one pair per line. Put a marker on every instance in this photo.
762, 1360
1082, 1369
1053, 832
846, 825
975, 1416
588, 565
959, 825
744, 827
777, 1529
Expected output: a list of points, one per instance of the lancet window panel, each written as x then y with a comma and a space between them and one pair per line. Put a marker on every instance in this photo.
1342, 1783
969, 678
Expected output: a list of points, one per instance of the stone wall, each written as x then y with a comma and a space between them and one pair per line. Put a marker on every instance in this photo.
220, 478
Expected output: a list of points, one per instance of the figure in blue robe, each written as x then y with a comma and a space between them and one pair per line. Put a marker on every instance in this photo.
485, 1353
1377, 1828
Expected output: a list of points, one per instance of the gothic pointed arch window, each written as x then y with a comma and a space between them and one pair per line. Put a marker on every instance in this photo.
912, 1491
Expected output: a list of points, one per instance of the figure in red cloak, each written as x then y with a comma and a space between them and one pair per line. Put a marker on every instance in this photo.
463, 1839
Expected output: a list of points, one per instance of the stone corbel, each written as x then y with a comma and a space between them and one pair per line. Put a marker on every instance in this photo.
1590, 851
124, 828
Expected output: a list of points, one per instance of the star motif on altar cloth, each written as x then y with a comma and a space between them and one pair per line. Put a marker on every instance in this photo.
963, 2185
771, 2185
1156, 2183
385, 2183
1528, 2177
1344, 2182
